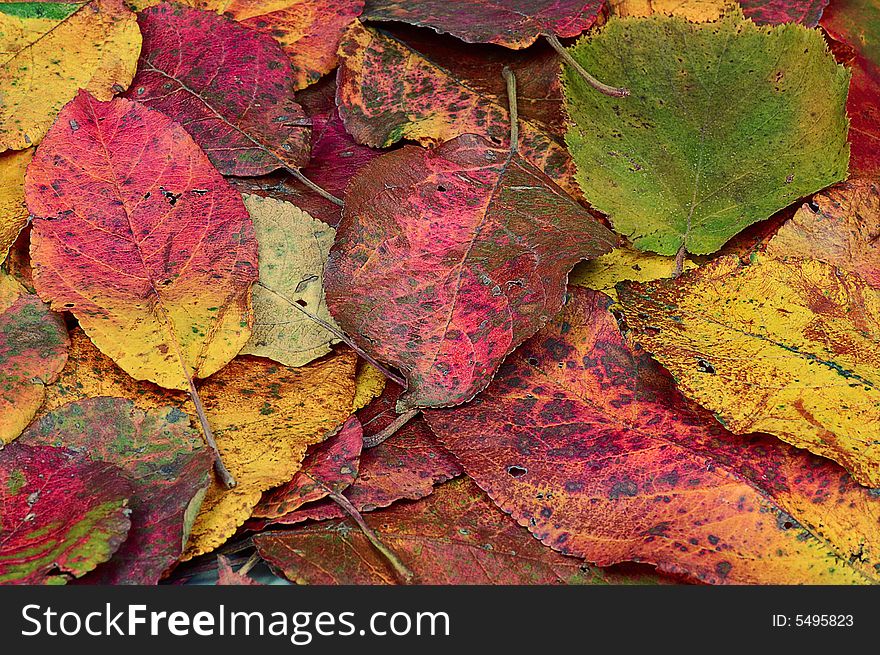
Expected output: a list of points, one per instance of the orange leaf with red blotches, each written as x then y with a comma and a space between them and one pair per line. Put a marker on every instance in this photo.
139, 237
588, 444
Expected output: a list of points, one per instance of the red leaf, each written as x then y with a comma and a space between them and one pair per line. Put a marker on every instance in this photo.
168, 464
406, 466
229, 86
446, 260
455, 536
331, 466
61, 514
513, 23
774, 12
592, 448
226, 576
137, 234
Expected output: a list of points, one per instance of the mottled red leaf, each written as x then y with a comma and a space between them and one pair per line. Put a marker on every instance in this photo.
857, 24
332, 465
589, 445
512, 23
227, 576
136, 234
406, 466
388, 92
774, 12
447, 259
455, 536
229, 86
167, 462
61, 514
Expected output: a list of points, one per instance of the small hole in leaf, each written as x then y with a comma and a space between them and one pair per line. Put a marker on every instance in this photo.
68, 305
441, 188
814, 206
516, 471
301, 302
787, 525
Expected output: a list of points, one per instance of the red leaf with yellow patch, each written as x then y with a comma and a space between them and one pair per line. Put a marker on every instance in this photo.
589, 445
61, 514
137, 235
447, 259
229, 86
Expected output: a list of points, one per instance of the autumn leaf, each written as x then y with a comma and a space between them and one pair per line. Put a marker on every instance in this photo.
61, 514
330, 467
407, 466
33, 350
48, 51
380, 110
455, 536
307, 30
13, 213
857, 24
510, 24
761, 12
623, 263
293, 250
369, 384
227, 576
678, 164
265, 417
168, 465
588, 444
482, 233
783, 347
839, 226
240, 109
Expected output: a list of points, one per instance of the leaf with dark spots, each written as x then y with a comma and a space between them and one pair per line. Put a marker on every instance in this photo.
388, 92
163, 290
169, 467
514, 23
61, 514
638, 474
447, 259
792, 344
33, 351
331, 466
774, 12
454, 536
229, 86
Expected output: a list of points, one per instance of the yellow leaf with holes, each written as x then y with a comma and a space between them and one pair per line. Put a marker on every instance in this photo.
602, 273
13, 213
49, 51
788, 347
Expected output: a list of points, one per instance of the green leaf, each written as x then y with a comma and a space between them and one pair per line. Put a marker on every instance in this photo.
727, 123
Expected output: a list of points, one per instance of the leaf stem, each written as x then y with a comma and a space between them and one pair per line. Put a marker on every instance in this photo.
247, 566
399, 422
679, 261
613, 91
223, 473
510, 78
403, 573
314, 187
339, 334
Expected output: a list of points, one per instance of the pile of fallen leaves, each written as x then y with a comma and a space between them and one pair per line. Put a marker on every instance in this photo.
413, 291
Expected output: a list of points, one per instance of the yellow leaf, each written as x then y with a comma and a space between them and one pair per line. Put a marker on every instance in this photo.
789, 348
602, 273
13, 213
48, 53
293, 250
369, 384
264, 417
